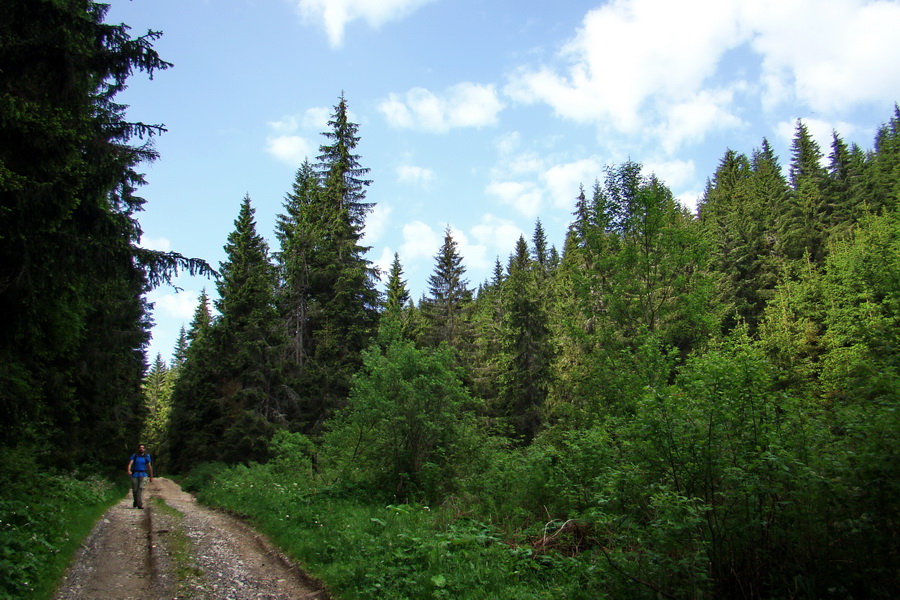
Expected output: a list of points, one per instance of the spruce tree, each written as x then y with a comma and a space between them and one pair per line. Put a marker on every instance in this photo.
486, 361
328, 296
296, 232
179, 352
196, 419
525, 349
397, 297
157, 389
246, 335
446, 307
802, 226
397, 305
340, 170
72, 276
229, 397
541, 254
883, 173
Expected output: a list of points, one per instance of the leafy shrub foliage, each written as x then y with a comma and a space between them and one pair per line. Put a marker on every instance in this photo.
43, 516
409, 431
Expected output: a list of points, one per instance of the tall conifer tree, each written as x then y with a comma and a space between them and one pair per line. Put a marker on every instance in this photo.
71, 273
449, 297
246, 334
802, 225
525, 348
328, 298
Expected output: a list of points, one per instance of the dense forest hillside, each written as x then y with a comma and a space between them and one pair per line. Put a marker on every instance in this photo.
709, 399
706, 404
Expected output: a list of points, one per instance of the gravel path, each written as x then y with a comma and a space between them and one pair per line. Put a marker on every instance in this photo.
194, 553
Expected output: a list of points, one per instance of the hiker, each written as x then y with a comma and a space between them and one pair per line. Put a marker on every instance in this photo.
139, 467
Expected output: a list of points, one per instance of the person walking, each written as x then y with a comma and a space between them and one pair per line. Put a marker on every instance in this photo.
140, 467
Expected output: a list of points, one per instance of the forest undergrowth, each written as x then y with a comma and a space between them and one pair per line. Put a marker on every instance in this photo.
44, 516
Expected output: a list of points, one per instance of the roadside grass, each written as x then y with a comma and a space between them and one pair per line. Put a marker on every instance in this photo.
179, 546
363, 550
44, 518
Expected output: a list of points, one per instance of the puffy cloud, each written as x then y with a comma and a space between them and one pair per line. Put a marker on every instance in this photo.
497, 235
524, 196
377, 222
420, 176
285, 143
563, 180
662, 67
462, 105
690, 199
525, 182
316, 118
474, 255
383, 263
690, 120
290, 149
179, 306
421, 243
334, 15
674, 173
820, 130
629, 52
419, 240
827, 56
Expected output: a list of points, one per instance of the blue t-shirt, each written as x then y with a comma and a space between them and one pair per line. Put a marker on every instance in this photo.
139, 464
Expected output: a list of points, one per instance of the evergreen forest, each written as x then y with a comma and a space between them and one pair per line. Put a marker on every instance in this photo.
671, 405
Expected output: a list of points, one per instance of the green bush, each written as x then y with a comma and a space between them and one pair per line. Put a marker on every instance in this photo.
366, 550
201, 475
44, 515
408, 432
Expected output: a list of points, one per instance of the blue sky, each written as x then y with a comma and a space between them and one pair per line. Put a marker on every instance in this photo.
481, 115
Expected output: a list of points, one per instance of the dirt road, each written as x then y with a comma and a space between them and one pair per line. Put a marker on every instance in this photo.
177, 549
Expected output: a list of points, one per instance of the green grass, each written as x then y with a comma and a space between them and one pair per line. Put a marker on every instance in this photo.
179, 546
44, 518
364, 550
79, 520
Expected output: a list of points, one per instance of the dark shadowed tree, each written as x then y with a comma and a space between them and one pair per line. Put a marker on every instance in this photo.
72, 276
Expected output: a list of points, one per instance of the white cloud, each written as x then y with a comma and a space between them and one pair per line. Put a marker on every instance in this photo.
161, 244
334, 15
383, 263
524, 196
828, 56
377, 222
629, 52
420, 176
290, 149
285, 126
674, 173
526, 182
660, 68
286, 144
691, 119
508, 142
316, 119
820, 130
474, 256
419, 240
179, 306
496, 234
563, 180
527, 162
690, 199
462, 105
